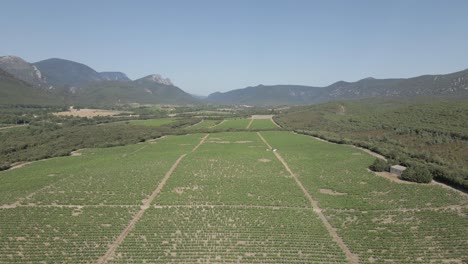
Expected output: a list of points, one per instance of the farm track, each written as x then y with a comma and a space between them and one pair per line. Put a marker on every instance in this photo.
8, 127
250, 123
146, 204
350, 256
201, 121
217, 124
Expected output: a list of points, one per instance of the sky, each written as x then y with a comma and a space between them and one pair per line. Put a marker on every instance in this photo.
205, 46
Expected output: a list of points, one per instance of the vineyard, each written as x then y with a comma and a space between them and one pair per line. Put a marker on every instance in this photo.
225, 197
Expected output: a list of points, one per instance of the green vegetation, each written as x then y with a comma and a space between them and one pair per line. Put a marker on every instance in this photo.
229, 235
262, 124
412, 133
232, 168
230, 199
417, 174
379, 165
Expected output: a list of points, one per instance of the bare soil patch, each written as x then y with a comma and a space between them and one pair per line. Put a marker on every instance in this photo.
391, 177
264, 160
262, 117
89, 112
331, 192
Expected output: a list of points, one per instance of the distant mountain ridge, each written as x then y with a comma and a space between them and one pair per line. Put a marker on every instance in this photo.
443, 85
70, 81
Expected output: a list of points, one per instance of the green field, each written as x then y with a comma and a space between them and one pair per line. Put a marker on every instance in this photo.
225, 198
262, 124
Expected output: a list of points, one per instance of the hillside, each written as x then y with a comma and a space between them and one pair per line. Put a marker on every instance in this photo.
429, 132
14, 91
23, 70
454, 85
140, 91
267, 95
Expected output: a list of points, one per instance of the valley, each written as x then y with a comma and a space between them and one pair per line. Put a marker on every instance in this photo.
225, 197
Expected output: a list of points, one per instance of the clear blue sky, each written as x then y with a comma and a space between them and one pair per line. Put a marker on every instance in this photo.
207, 46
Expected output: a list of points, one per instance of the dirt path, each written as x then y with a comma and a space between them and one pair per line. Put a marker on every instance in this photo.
8, 127
233, 206
250, 123
201, 121
273, 121
217, 124
146, 204
351, 257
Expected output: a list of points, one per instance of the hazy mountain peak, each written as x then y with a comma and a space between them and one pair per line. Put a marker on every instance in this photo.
157, 78
114, 76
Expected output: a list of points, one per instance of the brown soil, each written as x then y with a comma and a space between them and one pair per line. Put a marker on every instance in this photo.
89, 112
264, 160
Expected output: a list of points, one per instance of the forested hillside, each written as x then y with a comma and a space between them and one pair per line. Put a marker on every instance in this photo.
431, 133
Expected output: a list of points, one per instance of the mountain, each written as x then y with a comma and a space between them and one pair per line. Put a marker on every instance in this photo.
15, 91
147, 90
114, 76
23, 70
454, 85
267, 95
445, 85
65, 73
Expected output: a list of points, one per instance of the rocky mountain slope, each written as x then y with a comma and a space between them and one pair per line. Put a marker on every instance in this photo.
23, 70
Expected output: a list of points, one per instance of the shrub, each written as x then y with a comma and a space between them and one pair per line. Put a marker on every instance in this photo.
379, 165
417, 174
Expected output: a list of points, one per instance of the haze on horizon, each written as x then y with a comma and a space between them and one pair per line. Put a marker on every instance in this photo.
207, 46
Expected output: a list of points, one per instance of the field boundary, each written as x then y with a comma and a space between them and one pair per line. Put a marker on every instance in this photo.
146, 204
350, 256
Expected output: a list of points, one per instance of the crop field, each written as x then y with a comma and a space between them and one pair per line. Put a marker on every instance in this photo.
262, 124
225, 198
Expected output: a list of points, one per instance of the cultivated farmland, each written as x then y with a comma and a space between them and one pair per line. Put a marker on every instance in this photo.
230, 197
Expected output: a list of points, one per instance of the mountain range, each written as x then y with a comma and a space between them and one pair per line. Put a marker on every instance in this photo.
59, 81
454, 85
66, 82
